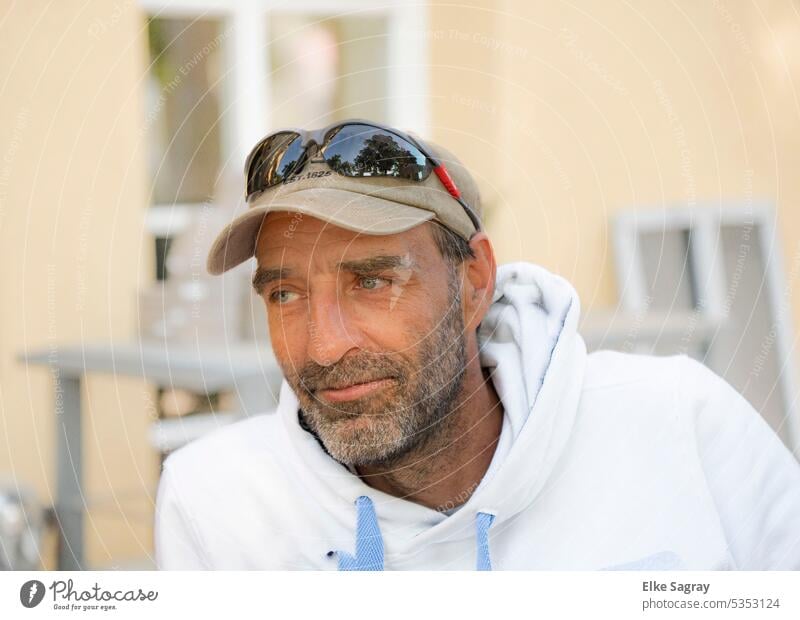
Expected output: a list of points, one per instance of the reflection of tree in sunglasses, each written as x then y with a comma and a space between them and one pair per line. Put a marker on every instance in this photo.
349, 154
380, 155
286, 169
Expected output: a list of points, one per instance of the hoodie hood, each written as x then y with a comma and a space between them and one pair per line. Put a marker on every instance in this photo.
529, 339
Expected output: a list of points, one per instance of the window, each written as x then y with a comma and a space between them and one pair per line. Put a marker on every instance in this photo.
225, 72
184, 107
325, 69
717, 271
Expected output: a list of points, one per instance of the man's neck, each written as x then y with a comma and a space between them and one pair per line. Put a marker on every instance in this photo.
446, 471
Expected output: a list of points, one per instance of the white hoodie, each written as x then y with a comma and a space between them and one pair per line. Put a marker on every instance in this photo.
605, 461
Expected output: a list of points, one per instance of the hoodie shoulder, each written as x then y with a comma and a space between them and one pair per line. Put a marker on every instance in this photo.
229, 467
678, 404
608, 369
752, 476
229, 447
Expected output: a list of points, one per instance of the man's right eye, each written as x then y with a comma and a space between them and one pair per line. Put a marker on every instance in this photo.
281, 296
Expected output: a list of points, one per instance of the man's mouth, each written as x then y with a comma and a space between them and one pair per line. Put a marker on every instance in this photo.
355, 390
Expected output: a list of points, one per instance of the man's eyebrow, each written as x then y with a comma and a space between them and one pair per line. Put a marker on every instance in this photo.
374, 264
264, 276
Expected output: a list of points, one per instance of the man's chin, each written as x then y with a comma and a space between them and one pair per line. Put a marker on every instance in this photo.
360, 440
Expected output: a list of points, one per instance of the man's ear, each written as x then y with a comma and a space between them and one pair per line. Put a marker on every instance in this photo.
479, 280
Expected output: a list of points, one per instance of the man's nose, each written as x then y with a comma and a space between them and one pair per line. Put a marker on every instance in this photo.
330, 336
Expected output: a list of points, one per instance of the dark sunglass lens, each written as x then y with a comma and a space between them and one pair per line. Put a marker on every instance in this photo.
363, 151
274, 161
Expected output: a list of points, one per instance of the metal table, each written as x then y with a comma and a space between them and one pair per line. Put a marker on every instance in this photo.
248, 369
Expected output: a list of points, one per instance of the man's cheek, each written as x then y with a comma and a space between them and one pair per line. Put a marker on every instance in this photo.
394, 311
288, 348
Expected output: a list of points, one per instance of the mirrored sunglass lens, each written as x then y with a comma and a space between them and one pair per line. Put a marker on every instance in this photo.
362, 151
275, 160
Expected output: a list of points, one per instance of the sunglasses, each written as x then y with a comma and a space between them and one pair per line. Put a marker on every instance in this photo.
351, 148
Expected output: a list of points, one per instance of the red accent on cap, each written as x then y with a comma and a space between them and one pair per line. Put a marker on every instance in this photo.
446, 180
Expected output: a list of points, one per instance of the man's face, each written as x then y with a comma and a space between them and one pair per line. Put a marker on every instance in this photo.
368, 331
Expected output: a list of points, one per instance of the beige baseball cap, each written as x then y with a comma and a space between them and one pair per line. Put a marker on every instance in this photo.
371, 205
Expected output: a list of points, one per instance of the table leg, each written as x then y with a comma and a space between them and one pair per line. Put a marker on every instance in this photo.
69, 500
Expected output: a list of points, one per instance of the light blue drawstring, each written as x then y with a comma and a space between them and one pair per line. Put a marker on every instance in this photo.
484, 522
369, 542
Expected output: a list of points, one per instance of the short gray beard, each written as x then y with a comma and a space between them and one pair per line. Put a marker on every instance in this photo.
407, 417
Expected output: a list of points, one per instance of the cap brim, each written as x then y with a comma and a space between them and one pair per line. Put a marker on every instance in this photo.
368, 214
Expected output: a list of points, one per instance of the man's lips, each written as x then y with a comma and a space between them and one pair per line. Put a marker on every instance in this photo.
354, 391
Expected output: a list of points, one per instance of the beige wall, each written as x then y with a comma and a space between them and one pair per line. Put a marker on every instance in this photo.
73, 249
574, 111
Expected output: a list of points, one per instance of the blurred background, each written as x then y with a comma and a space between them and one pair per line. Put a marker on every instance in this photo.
648, 152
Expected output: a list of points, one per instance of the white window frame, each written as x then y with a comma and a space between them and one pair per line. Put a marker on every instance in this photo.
708, 269
248, 55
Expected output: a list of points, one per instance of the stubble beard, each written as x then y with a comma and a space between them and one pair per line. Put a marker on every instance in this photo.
407, 417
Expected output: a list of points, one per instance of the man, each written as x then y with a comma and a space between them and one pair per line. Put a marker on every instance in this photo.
439, 412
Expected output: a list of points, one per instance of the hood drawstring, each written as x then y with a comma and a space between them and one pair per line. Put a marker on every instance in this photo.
369, 541
483, 522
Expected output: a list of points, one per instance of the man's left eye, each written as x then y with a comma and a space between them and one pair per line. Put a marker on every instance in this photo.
372, 283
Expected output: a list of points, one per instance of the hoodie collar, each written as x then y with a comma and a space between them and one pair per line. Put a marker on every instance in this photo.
529, 337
